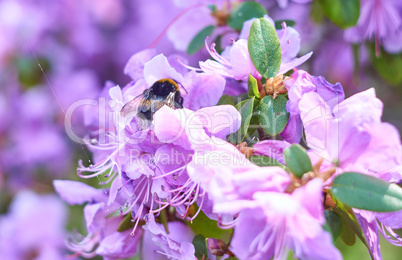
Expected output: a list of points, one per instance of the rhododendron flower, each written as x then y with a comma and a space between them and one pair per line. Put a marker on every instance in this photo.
102, 238
380, 20
175, 245
42, 218
300, 83
235, 61
352, 141
273, 222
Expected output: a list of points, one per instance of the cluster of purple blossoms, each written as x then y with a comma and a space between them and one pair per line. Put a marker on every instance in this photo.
234, 152
159, 176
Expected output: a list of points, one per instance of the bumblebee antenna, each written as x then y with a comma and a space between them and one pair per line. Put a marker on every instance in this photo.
183, 88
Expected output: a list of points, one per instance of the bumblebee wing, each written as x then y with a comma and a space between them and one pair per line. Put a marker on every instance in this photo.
156, 103
132, 107
170, 100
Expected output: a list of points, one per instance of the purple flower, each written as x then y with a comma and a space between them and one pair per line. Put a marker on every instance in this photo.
235, 61
271, 148
34, 226
353, 140
274, 222
380, 20
300, 83
144, 171
174, 245
34, 139
102, 223
350, 138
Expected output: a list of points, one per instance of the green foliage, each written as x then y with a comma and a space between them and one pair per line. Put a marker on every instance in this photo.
200, 245
265, 161
264, 48
253, 87
226, 100
126, 223
350, 226
343, 13
297, 160
243, 12
334, 223
199, 40
29, 70
366, 192
387, 65
207, 227
246, 110
272, 114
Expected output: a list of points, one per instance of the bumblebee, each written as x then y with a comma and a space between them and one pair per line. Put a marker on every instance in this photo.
162, 92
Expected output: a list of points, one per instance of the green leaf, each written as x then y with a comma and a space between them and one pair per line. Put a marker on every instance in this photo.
350, 226
29, 70
334, 222
265, 161
366, 192
272, 114
388, 66
253, 87
199, 40
200, 245
246, 111
348, 234
254, 125
207, 227
126, 223
316, 12
264, 48
343, 13
297, 160
243, 12
226, 100
278, 24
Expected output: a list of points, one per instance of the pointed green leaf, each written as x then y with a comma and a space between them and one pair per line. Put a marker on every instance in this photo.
253, 87
199, 40
297, 160
226, 100
264, 48
348, 235
265, 161
272, 114
334, 222
200, 245
343, 13
349, 225
366, 192
243, 12
246, 111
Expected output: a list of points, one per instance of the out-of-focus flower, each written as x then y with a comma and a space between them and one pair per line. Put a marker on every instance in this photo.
101, 221
380, 20
33, 228
33, 142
